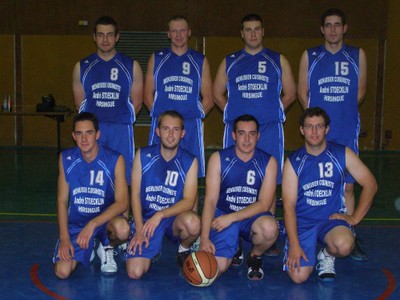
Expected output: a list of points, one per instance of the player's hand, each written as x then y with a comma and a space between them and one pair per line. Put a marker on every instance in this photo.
66, 251
207, 246
85, 235
344, 217
221, 223
150, 226
136, 243
293, 259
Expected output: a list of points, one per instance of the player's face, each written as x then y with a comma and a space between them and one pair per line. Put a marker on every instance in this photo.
179, 33
170, 132
86, 136
252, 34
246, 136
333, 30
105, 38
314, 131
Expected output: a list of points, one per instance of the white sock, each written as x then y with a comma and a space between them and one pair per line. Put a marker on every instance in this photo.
182, 249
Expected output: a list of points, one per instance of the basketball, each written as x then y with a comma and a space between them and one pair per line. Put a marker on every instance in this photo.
200, 269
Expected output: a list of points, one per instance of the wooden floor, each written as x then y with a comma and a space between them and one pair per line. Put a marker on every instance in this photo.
29, 232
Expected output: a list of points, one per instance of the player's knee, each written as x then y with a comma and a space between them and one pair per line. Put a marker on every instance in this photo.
62, 272
192, 224
298, 277
134, 272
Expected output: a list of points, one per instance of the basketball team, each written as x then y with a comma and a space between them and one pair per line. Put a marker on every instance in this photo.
110, 197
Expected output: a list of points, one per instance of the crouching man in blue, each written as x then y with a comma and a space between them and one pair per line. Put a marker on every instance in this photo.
92, 195
164, 189
313, 188
240, 190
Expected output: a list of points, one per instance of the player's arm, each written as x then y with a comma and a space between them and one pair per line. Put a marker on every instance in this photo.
303, 88
219, 87
288, 83
66, 249
362, 81
206, 88
213, 182
366, 180
77, 87
119, 205
289, 198
149, 87
136, 205
137, 87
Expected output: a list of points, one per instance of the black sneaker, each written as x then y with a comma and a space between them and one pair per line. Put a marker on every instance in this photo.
255, 271
181, 257
237, 260
358, 254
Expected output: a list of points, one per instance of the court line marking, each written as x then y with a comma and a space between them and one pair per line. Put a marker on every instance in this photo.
391, 285
40, 285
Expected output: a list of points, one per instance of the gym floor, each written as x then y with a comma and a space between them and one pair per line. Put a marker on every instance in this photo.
29, 231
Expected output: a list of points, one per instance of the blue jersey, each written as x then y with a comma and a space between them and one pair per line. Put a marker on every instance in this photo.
240, 181
91, 185
162, 181
254, 86
333, 86
107, 86
321, 181
177, 83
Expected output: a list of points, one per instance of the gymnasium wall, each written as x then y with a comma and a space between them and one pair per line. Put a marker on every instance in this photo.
52, 42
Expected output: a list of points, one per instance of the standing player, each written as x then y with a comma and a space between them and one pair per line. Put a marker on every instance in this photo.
92, 195
240, 189
178, 78
258, 82
164, 188
313, 200
333, 76
110, 85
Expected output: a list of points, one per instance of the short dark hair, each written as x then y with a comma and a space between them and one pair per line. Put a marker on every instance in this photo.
105, 20
171, 113
314, 112
245, 118
178, 18
333, 12
86, 116
252, 17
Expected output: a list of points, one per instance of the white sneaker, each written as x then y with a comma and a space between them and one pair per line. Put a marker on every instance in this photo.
106, 255
325, 266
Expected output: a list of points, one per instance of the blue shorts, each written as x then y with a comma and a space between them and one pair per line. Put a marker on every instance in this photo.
193, 141
353, 145
309, 235
226, 242
120, 138
271, 141
155, 243
83, 255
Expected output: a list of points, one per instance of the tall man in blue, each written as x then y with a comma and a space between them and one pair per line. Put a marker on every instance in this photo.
240, 189
313, 200
333, 76
164, 188
92, 195
110, 85
259, 82
178, 78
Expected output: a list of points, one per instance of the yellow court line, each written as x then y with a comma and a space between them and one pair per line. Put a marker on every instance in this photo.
28, 214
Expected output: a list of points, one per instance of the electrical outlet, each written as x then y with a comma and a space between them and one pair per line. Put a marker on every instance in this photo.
388, 134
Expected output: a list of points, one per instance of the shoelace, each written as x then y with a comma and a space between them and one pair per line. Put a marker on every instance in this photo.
327, 264
255, 264
109, 254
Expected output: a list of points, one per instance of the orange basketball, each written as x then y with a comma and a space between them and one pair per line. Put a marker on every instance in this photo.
200, 268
